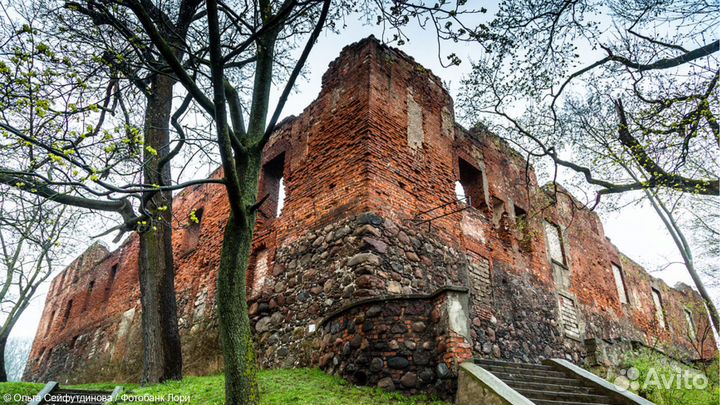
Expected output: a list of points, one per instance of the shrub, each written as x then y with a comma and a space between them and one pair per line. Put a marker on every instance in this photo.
667, 382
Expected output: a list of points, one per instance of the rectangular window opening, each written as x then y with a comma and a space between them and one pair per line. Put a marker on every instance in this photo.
68, 309
620, 283
659, 311
520, 215
111, 278
690, 324
555, 243
273, 185
281, 198
470, 185
50, 321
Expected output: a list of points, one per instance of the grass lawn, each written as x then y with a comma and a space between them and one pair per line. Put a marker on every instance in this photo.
290, 386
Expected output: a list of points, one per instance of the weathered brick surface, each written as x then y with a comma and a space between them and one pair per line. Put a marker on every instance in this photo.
370, 212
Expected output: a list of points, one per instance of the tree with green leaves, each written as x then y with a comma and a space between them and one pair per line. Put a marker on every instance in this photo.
650, 68
72, 120
245, 46
226, 63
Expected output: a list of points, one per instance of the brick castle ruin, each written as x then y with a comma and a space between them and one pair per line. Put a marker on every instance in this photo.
373, 269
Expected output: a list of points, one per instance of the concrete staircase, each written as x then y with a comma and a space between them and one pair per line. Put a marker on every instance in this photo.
548, 385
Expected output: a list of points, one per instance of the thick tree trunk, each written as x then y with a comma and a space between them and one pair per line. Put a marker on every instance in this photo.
3, 373
241, 385
161, 340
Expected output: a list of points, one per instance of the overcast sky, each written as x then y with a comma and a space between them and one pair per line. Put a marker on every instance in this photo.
636, 231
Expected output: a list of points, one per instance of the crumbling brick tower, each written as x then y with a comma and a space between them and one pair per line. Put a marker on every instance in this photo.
373, 269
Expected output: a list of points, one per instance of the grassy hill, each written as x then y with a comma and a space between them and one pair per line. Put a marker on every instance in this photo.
290, 386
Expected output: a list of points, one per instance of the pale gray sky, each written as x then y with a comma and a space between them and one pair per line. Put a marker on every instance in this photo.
636, 231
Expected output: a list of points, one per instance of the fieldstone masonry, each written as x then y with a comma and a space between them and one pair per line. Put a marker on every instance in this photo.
373, 269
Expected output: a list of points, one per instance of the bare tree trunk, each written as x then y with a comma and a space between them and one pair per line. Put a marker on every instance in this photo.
161, 340
3, 343
686, 253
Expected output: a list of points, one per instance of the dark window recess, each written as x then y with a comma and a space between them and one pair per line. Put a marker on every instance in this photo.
111, 278
50, 321
471, 182
273, 187
196, 217
522, 225
73, 341
520, 216
68, 309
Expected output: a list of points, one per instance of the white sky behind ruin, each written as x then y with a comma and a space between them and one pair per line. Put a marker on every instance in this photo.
635, 230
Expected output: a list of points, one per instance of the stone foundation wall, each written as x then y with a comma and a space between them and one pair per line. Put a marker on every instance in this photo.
523, 325
402, 342
360, 257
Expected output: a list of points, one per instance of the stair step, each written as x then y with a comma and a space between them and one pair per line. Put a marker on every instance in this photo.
538, 379
545, 402
515, 365
580, 389
523, 371
545, 384
563, 396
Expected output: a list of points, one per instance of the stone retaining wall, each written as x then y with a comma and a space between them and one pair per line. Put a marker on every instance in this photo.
406, 343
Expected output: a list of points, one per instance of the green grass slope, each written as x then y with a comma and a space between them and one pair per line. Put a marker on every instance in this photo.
289, 386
